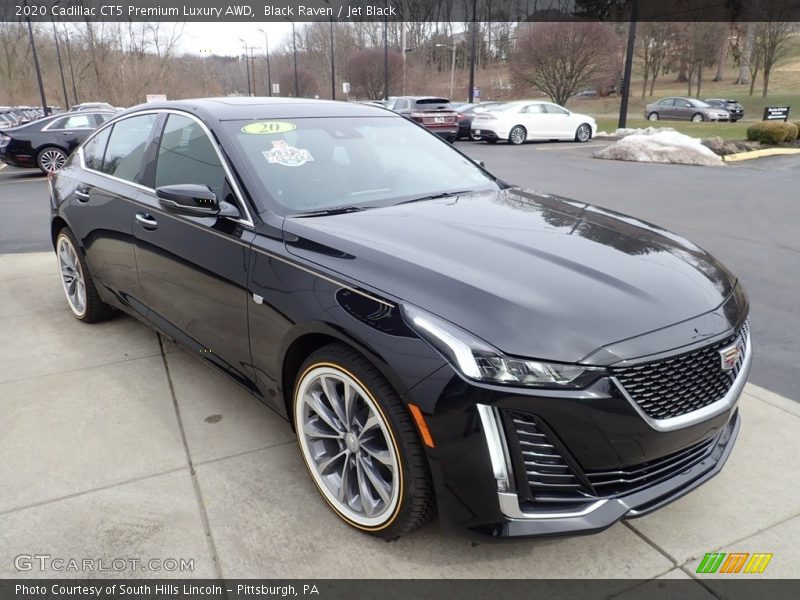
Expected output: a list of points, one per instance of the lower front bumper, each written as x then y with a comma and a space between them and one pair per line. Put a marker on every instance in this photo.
604, 512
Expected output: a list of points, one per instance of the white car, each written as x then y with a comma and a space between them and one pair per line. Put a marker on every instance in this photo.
532, 120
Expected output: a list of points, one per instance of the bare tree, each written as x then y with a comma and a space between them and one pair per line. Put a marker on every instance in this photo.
656, 42
699, 43
307, 85
742, 50
772, 42
561, 58
366, 70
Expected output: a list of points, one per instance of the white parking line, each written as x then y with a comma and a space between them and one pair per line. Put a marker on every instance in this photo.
573, 147
27, 180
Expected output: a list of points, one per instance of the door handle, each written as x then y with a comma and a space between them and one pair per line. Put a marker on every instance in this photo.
146, 221
82, 194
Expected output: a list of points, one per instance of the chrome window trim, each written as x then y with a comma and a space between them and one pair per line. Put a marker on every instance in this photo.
722, 405
69, 116
234, 185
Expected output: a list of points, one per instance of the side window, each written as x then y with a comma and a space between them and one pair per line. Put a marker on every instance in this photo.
553, 109
76, 122
101, 118
94, 150
667, 102
186, 155
127, 146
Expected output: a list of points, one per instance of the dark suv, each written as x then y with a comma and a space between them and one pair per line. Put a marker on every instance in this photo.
432, 112
733, 107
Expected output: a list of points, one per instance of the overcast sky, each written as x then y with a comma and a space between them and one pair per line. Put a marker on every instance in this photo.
223, 38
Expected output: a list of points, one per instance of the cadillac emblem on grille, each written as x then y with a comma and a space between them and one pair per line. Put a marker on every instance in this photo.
729, 356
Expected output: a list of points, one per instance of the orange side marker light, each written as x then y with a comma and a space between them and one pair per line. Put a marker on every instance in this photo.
427, 438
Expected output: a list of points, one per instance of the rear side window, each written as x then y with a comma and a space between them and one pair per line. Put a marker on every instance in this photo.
186, 155
126, 147
94, 150
74, 122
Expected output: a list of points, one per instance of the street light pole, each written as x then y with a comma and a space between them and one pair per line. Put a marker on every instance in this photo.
473, 42
269, 75
385, 58
45, 108
294, 51
333, 67
452, 65
626, 78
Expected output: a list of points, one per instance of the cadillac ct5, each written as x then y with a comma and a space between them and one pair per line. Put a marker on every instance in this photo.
438, 339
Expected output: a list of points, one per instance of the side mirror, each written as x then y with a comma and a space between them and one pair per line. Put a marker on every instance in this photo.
193, 199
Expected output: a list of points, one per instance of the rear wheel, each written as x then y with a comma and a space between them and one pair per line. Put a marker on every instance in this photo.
583, 134
474, 136
360, 445
653, 116
79, 288
517, 135
51, 160
697, 118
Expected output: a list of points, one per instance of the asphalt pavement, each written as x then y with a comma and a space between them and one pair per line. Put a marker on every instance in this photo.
746, 214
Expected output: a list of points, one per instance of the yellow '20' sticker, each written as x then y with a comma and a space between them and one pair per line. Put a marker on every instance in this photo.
268, 127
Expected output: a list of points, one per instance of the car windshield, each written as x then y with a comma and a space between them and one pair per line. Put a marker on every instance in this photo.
313, 164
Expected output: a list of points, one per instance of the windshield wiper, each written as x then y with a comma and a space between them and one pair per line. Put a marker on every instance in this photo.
337, 210
435, 197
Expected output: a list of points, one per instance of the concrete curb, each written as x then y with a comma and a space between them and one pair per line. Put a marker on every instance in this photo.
739, 156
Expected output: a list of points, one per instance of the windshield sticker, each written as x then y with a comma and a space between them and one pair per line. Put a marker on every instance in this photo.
286, 155
268, 127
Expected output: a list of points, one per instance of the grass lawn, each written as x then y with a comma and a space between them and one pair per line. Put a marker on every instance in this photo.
728, 131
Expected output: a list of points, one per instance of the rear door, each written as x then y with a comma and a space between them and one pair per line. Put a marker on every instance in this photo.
560, 124
71, 131
194, 269
534, 118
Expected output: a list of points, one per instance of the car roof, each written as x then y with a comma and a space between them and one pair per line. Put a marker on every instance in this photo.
242, 108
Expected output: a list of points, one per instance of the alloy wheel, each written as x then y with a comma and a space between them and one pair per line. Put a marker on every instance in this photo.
347, 445
697, 118
72, 278
652, 117
584, 133
517, 135
474, 136
52, 160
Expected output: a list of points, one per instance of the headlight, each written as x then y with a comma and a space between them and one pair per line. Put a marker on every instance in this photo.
480, 361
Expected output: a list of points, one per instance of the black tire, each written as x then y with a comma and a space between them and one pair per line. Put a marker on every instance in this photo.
696, 120
94, 309
415, 499
653, 116
520, 137
583, 133
491, 141
474, 136
50, 159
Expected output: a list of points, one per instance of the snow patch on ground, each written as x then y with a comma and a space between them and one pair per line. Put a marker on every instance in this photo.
624, 132
665, 146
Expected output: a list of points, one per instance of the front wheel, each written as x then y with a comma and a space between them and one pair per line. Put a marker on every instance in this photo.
517, 135
51, 160
583, 134
360, 445
653, 116
474, 136
697, 118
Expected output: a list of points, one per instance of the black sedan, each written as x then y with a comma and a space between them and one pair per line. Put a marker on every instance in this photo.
438, 339
735, 110
466, 113
46, 143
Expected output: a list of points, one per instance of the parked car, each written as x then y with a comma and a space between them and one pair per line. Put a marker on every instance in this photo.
466, 112
432, 112
684, 109
46, 143
92, 106
734, 109
525, 120
528, 364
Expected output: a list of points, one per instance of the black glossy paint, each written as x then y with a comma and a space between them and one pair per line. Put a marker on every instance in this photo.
534, 275
27, 141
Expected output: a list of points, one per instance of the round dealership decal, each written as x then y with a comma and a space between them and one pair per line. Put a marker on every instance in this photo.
268, 127
286, 155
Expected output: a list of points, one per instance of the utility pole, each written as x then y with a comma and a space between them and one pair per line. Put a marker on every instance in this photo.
71, 72
473, 42
247, 67
385, 58
60, 66
333, 67
626, 78
294, 50
45, 108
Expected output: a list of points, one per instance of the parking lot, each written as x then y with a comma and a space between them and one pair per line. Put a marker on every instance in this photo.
118, 444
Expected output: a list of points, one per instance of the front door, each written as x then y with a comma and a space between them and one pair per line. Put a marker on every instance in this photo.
194, 269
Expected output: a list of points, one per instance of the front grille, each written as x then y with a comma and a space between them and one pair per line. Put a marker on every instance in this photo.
681, 384
554, 478
626, 480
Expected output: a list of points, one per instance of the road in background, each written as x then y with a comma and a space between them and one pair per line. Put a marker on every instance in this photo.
746, 214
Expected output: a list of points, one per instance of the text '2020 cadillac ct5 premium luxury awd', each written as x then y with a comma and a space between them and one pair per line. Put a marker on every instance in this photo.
438, 339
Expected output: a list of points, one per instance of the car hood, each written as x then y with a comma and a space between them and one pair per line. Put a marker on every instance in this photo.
533, 274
